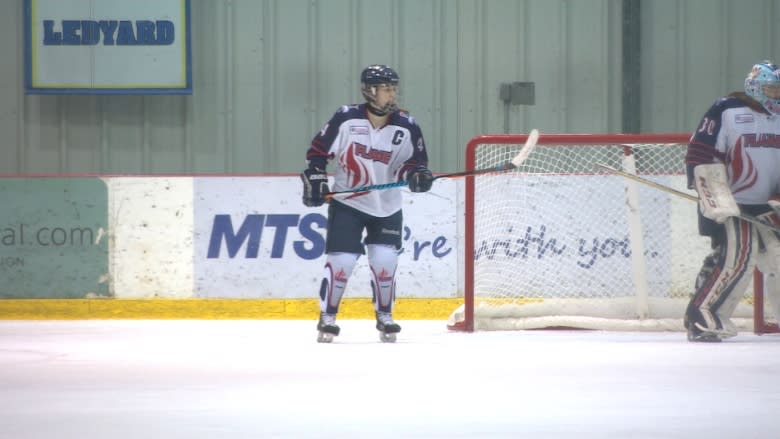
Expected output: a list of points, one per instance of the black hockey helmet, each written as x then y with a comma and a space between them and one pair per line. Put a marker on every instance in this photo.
377, 74
372, 77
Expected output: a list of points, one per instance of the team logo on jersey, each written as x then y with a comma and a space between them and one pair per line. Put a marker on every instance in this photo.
743, 174
360, 131
743, 118
764, 140
357, 173
373, 154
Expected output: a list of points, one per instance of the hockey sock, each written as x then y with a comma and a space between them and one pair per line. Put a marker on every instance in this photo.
383, 260
338, 268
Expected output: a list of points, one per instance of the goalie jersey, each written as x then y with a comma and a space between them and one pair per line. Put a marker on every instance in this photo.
739, 133
365, 155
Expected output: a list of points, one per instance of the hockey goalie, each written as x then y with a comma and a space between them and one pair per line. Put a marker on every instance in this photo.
733, 162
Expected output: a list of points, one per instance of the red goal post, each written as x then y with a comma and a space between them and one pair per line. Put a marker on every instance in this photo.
554, 243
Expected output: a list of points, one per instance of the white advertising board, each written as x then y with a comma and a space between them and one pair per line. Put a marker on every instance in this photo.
251, 237
254, 238
150, 245
582, 247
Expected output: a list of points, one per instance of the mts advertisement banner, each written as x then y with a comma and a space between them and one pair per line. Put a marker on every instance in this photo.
254, 238
107, 46
53, 240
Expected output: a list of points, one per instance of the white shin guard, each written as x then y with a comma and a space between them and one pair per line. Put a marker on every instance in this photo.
338, 269
383, 260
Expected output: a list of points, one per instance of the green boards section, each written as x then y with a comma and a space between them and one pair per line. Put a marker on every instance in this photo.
53, 238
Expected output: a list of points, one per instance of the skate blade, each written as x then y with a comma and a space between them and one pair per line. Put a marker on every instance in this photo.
703, 338
324, 337
384, 337
706, 336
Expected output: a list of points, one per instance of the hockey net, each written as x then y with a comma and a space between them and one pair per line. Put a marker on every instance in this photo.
563, 243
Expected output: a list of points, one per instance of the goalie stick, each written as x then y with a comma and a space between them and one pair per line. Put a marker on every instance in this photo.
742, 216
525, 151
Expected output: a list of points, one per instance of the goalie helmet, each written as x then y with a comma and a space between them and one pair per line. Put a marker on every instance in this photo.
763, 85
374, 76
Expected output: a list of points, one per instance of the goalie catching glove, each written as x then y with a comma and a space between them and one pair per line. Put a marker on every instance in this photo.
420, 179
315, 186
715, 198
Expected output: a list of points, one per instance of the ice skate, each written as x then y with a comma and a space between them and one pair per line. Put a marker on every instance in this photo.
327, 328
696, 334
387, 327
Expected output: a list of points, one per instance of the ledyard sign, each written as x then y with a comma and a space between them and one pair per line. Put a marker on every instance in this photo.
108, 46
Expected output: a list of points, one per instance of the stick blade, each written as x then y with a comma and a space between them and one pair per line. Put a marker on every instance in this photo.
606, 167
530, 143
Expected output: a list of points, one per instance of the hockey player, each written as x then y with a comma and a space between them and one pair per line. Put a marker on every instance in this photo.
370, 143
733, 161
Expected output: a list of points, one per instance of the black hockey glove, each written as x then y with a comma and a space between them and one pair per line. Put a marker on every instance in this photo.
420, 179
315, 186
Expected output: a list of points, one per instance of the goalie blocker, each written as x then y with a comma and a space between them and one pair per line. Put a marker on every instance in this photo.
715, 198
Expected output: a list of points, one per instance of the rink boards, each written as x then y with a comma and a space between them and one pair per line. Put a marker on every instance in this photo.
212, 247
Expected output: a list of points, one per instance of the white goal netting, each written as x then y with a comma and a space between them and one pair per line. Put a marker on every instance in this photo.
562, 242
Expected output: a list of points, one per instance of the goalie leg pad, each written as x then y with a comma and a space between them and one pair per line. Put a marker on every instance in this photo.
338, 269
383, 260
707, 267
768, 261
709, 311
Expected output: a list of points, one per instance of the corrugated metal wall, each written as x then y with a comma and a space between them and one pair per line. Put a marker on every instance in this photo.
268, 73
696, 50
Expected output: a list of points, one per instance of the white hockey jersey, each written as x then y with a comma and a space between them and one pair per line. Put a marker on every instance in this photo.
365, 155
736, 131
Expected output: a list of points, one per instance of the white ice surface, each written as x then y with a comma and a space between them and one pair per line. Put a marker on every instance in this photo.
265, 379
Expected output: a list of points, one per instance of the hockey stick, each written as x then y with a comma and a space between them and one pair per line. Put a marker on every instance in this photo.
749, 218
521, 156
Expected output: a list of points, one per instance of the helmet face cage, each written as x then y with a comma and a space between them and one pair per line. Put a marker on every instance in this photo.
375, 76
761, 75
